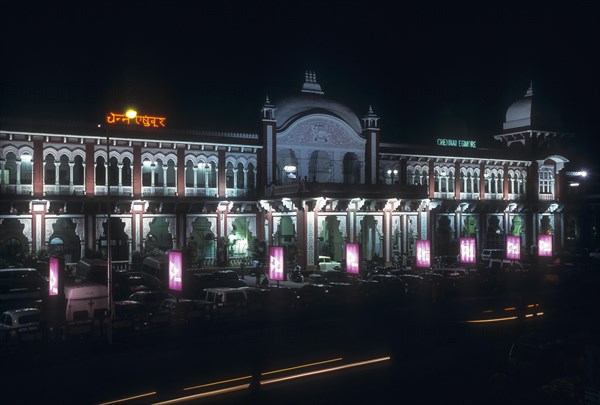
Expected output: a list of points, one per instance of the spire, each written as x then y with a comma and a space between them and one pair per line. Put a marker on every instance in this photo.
529, 92
370, 120
310, 83
268, 110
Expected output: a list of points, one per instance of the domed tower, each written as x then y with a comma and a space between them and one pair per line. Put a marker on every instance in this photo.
531, 121
313, 138
533, 130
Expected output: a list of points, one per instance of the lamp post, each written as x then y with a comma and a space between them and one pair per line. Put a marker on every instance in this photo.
131, 114
393, 174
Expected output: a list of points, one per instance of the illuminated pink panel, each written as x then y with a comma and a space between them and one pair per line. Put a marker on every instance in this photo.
423, 253
175, 270
513, 247
276, 263
53, 273
352, 258
544, 245
467, 250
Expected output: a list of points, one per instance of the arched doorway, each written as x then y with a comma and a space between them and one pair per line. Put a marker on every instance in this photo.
319, 167
370, 238
119, 240
331, 239
351, 168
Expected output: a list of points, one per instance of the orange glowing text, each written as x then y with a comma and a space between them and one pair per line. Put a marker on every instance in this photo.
144, 120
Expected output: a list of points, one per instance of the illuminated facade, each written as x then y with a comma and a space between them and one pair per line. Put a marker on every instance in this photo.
313, 178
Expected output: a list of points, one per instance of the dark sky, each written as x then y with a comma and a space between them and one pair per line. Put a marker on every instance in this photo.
427, 70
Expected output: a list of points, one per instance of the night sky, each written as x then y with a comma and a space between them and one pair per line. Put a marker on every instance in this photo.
427, 70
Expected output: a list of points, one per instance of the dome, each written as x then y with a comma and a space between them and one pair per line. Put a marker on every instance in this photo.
532, 112
312, 101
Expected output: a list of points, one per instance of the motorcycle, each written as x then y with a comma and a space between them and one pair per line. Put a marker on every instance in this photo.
296, 275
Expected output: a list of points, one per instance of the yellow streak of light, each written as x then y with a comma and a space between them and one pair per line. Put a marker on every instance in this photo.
510, 318
510, 309
218, 382
327, 370
301, 366
116, 401
203, 395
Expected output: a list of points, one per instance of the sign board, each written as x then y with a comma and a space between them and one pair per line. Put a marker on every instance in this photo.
352, 258
460, 143
53, 276
513, 247
142, 120
276, 263
423, 253
468, 250
175, 270
544, 245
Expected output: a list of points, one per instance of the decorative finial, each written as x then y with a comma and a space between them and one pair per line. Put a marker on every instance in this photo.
267, 101
529, 92
310, 83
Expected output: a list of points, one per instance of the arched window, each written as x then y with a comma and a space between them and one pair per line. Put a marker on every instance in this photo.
203, 170
190, 171
212, 175
546, 180
240, 176
251, 178
147, 173
113, 171
126, 176
10, 167
319, 167
100, 171
159, 174
64, 172
351, 169
171, 177
78, 171
50, 170
229, 175
26, 169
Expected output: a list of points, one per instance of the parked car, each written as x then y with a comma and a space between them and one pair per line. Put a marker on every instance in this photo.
312, 295
127, 283
257, 298
595, 254
228, 301
326, 264
18, 323
21, 284
487, 254
151, 300
228, 278
280, 300
187, 309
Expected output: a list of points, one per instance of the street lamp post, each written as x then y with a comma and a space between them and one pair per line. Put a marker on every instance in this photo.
131, 114
393, 174
108, 236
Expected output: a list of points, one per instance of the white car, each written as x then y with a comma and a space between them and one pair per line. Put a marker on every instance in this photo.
595, 254
326, 264
24, 321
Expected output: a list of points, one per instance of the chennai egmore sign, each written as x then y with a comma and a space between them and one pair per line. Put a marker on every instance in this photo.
461, 143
